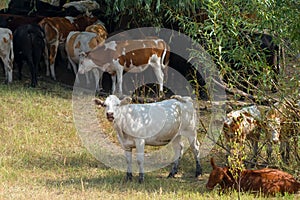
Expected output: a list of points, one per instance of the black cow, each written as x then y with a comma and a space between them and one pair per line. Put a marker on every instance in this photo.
29, 46
258, 46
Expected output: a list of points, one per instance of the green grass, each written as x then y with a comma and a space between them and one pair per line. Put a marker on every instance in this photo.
41, 156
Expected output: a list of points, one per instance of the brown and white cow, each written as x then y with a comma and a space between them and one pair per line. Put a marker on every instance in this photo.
6, 52
84, 42
134, 56
57, 30
266, 181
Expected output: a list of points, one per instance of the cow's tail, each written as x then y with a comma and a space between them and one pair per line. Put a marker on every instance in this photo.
42, 24
11, 53
165, 56
165, 60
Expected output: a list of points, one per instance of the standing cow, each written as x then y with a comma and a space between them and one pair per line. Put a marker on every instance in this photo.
115, 57
57, 30
29, 46
77, 42
136, 126
6, 52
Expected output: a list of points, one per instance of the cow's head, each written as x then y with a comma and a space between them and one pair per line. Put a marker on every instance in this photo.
112, 105
85, 64
219, 175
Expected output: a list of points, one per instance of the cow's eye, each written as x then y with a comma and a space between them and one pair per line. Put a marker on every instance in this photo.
104, 105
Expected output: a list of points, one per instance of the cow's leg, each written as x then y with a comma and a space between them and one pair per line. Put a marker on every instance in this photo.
128, 156
46, 57
98, 79
269, 151
52, 57
119, 72
140, 146
113, 86
195, 145
8, 70
32, 70
74, 65
254, 143
178, 150
159, 75
284, 150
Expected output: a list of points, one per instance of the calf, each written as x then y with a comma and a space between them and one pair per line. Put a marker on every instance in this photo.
267, 181
6, 52
57, 30
137, 125
29, 46
115, 57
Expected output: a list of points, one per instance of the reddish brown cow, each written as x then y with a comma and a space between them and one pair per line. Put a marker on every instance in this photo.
14, 21
57, 30
267, 181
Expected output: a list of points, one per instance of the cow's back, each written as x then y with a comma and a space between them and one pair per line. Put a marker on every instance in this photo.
130, 53
269, 181
157, 123
80, 41
57, 28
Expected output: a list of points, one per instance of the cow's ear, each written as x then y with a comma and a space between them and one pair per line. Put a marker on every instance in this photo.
98, 102
212, 162
226, 174
125, 101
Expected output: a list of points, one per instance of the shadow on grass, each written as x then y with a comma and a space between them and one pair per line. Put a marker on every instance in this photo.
114, 181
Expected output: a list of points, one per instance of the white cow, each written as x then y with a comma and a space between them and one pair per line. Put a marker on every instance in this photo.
153, 124
115, 57
6, 52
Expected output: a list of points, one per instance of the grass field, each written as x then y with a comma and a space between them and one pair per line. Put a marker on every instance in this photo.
41, 156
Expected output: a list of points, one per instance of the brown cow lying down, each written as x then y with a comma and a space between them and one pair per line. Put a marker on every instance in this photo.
266, 181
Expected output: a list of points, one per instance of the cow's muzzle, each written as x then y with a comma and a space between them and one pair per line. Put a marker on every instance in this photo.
110, 116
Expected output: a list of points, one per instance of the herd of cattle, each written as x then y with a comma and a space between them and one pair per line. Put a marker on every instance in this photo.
32, 39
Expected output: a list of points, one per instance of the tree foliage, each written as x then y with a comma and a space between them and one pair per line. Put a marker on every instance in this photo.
223, 28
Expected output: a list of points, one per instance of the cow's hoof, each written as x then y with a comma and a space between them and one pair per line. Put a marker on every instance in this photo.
171, 175
141, 177
198, 171
129, 177
198, 174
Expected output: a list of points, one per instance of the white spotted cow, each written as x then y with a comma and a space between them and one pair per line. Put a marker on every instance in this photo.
77, 42
6, 52
136, 125
115, 57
